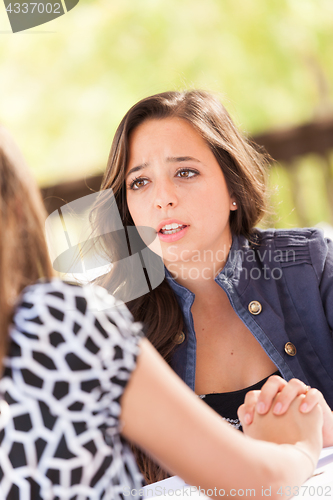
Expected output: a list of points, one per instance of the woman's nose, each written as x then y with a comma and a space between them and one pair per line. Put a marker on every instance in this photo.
165, 195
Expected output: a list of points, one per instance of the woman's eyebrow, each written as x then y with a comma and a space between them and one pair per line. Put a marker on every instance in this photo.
137, 168
169, 159
179, 159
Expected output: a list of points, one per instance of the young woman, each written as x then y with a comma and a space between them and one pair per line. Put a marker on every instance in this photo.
78, 378
237, 304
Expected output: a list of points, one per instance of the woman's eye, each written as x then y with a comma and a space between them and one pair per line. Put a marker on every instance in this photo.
186, 173
138, 183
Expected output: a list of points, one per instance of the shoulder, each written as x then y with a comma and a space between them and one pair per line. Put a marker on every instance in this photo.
79, 329
296, 246
289, 237
54, 301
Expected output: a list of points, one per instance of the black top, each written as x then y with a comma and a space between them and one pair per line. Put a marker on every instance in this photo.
226, 404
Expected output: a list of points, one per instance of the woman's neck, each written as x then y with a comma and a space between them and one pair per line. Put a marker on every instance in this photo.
198, 274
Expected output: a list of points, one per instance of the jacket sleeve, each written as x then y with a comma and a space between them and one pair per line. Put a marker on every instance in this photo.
321, 252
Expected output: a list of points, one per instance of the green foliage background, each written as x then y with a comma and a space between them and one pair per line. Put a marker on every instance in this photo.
64, 86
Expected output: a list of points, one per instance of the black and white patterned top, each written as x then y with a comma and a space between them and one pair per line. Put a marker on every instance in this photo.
72, 351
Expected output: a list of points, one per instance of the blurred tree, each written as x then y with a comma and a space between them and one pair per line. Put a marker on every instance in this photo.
64, 86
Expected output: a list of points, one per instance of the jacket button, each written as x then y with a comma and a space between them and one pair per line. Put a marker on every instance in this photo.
290, 349
180, 339
255, 307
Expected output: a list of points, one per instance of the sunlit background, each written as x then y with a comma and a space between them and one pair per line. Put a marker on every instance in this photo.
65, 85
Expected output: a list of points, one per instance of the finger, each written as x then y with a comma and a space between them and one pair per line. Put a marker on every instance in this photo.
241, 414
245, 418
269, 390
312, 397
283, 400
247, 409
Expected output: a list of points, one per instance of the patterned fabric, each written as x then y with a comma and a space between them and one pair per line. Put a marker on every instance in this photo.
72, 351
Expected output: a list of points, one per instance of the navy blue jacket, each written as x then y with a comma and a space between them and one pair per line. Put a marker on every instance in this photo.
290, 273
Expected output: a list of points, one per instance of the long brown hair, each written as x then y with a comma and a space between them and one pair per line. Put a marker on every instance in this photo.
244, 170
23, 251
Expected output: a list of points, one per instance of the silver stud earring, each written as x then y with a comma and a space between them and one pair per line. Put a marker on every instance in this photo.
234, 203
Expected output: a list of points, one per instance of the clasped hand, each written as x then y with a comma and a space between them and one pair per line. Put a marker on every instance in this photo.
278, 395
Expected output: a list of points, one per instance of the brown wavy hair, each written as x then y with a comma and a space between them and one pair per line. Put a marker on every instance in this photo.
244, 169
24, 255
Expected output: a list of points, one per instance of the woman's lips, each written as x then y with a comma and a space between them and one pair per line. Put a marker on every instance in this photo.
170, 238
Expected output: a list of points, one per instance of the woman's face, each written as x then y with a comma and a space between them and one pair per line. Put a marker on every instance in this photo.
175, 185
